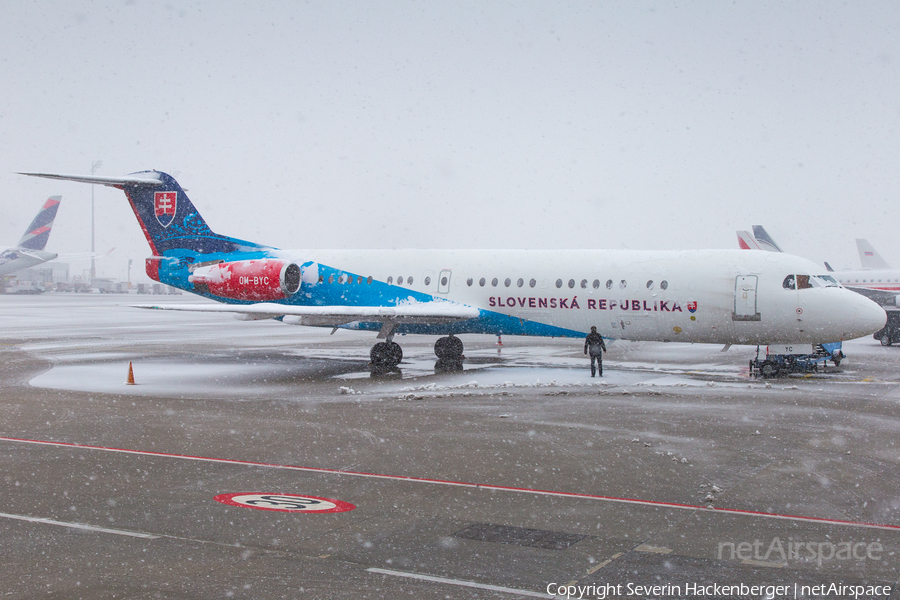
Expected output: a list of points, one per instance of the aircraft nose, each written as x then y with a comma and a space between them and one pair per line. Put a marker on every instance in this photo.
869, 317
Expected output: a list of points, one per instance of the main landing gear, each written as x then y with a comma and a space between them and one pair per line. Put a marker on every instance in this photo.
449, 348
386, 355
449, 351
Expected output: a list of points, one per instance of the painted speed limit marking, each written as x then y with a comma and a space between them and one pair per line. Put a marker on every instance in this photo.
293, 503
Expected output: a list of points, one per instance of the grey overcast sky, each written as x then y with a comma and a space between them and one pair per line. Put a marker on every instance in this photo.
651, 125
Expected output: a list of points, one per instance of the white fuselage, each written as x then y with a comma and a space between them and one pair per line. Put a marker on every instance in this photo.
882, 280
716, 296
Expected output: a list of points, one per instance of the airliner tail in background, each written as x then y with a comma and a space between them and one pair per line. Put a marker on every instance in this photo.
30, 249
868, 257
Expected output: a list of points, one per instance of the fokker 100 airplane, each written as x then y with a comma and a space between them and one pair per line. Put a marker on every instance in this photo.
715, 296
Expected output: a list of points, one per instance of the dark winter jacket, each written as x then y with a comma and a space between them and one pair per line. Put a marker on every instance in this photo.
594, 343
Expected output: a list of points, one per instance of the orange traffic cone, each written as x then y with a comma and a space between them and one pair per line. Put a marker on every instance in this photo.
130, 380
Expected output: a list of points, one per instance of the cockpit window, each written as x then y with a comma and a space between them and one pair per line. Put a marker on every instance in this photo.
805, 282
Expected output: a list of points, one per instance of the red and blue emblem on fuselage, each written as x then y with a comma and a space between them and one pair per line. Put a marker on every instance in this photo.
692, 307
164, 205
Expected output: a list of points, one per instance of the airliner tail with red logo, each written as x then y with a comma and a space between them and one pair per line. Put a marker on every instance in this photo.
29, 252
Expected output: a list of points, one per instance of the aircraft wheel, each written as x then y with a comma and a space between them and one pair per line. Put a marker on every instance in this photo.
886, 340
386, 354
395, 353
450, 347
768, 369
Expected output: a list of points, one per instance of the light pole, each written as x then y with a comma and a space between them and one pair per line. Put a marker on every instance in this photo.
96, 165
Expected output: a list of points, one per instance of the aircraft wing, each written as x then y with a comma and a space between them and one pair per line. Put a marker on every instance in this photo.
82, 256
332, 316
38, 255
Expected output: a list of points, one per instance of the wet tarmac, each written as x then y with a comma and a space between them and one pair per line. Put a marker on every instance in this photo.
260, 460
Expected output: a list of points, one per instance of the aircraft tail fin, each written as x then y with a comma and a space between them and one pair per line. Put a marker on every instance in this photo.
746, 241
169, 220
828, 267
37, 234
869, 258
765, 240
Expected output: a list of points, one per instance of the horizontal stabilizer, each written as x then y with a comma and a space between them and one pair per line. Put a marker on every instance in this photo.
423, 314
144, 179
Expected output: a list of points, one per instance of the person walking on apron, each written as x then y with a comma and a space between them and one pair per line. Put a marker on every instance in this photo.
594, 345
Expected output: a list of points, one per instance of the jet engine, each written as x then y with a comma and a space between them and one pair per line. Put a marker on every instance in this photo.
261, 280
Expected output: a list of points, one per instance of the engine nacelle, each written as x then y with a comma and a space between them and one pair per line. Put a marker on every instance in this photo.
260, 280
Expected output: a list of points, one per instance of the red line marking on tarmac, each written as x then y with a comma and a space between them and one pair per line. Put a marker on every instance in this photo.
447, 482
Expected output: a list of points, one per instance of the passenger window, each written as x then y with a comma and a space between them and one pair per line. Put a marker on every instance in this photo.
390, 280
369, 280
331, 278
321, 279
507, 282
623, 284
469, 282
400, 281
559, 283
444, 281
789, 283
803, 282
650, 285
520, 282
596, 283
584, 284
428, 281
609, 284
663, 284
481, 282
532, 283
571, 283
409, 281
494, 282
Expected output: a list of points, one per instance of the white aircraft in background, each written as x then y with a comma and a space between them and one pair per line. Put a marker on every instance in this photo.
30, 249
876, 280
715, 296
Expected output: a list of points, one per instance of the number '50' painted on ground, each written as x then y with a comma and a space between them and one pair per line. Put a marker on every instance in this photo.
285, 502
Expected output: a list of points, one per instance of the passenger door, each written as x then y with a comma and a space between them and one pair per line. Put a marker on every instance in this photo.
745, 308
